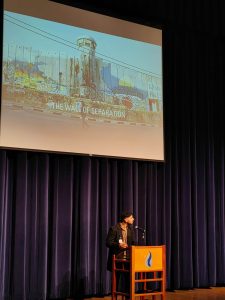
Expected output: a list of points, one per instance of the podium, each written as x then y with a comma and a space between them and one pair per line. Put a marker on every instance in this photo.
143, 266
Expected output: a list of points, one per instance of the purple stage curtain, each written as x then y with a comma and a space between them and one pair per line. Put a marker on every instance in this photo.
55, 213
56, 210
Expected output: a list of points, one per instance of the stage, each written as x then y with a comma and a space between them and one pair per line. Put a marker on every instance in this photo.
214, 293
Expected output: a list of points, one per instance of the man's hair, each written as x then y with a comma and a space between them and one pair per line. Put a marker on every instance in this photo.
124, 215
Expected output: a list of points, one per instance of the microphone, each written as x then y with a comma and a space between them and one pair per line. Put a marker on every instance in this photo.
140, 228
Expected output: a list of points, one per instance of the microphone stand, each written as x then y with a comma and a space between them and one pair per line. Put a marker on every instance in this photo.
142, 234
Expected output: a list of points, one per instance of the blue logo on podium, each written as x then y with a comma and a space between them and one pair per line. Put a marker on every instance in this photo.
148, 261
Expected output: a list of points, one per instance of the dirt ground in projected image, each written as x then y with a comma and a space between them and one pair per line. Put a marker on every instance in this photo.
53, 131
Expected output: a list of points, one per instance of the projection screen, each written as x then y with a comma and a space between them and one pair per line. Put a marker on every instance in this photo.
74, 81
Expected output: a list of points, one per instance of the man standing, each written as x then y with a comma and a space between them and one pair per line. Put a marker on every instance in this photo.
119, 238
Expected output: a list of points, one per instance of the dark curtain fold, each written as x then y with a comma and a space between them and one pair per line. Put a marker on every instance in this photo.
55, 210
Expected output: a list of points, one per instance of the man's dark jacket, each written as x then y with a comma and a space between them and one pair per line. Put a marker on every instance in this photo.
112, 241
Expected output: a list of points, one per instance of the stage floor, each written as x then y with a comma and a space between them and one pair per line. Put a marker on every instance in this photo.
215, 293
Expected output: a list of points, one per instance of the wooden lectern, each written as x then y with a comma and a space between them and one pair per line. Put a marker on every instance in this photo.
145, 265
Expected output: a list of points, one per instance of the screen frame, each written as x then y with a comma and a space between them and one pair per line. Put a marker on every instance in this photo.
81, 8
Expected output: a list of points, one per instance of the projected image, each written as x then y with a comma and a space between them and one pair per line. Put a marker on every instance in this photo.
56, 69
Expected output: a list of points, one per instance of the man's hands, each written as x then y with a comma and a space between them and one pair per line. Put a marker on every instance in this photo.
123, 245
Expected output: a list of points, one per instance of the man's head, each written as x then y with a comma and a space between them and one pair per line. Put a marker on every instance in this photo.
127, 217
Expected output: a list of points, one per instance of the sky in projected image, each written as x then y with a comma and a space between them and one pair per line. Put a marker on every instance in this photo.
54, 38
